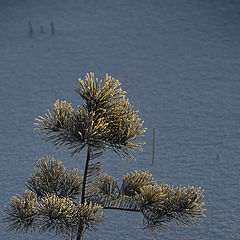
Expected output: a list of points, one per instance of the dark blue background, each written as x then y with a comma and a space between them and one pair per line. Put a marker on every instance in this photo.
179, 62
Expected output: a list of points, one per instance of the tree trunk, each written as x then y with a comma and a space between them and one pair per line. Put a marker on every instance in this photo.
80, 231
81, 224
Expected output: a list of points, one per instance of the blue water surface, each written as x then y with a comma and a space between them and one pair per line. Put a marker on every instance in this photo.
179, 62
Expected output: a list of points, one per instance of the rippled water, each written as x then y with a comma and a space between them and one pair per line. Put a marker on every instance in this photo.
179, 62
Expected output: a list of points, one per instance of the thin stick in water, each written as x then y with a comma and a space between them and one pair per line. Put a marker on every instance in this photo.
30, 28
53, 29
153, 148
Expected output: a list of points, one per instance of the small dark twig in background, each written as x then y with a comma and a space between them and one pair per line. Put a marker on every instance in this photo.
53, 29
30, 28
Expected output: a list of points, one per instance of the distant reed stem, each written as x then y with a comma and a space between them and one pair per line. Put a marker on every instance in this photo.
52, 29
30, 28
153, 147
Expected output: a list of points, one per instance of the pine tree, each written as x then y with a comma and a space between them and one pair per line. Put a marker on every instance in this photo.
68, 202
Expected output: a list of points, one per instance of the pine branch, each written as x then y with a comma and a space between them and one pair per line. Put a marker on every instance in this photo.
134, 181
51, 177
162, 204
22, 212
107, 185
50, 213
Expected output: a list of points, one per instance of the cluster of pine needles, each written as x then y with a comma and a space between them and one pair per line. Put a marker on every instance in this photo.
106, 120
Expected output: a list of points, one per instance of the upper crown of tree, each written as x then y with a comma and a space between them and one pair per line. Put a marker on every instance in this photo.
106, 120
